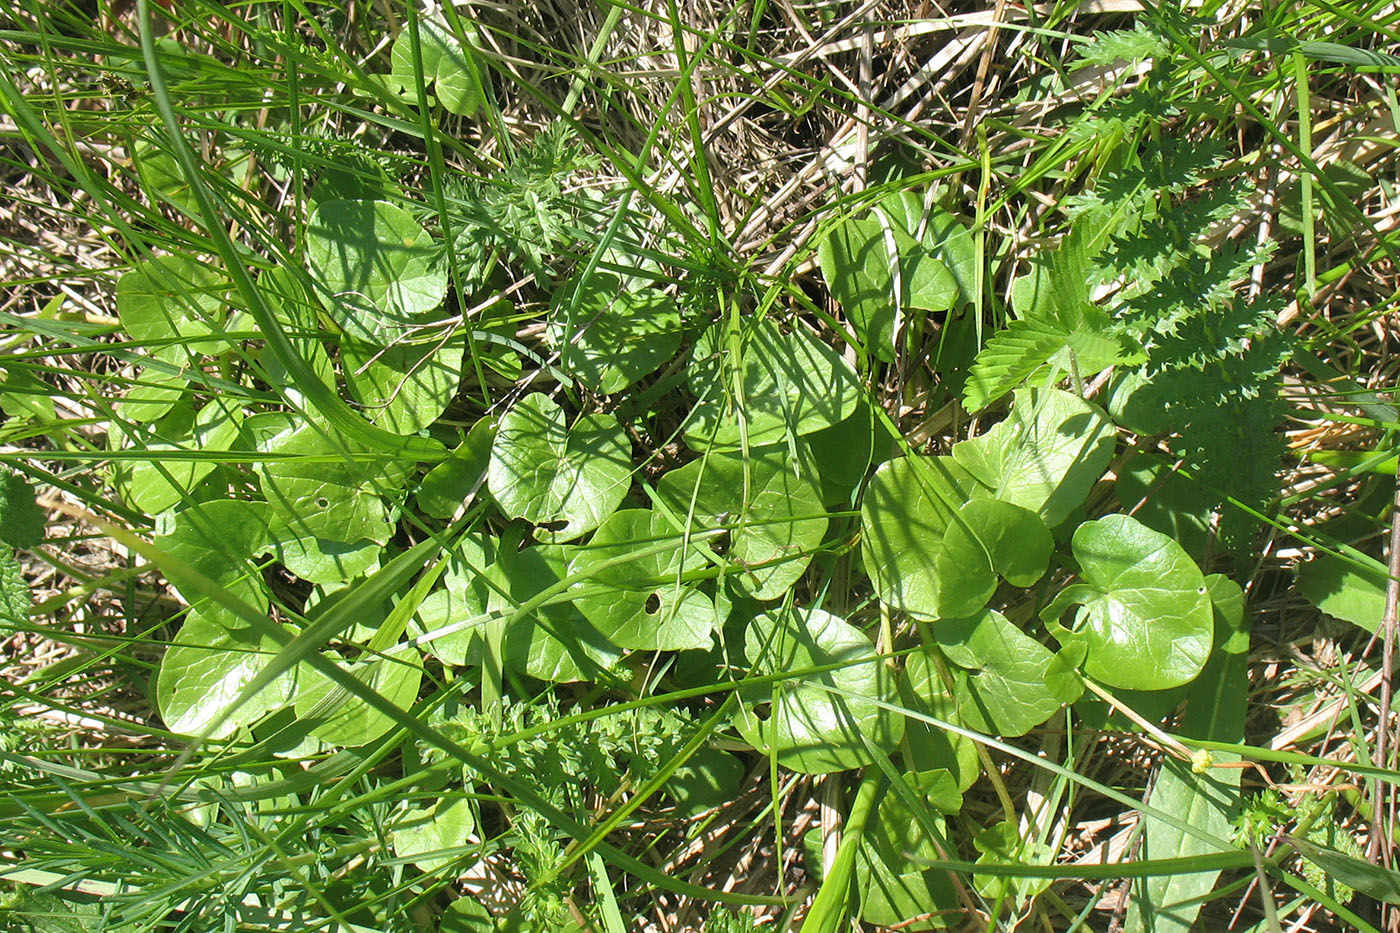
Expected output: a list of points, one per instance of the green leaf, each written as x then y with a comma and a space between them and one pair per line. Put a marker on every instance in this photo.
1145, 617
217, 538
762, 386
205, 670
1009, 682
933, 542
21, 520
554, 642
462, 599
15, 599
1046, 456
1002, 844
709, 778
1375, 881
620, 331
420, 833
1208, 801
377, 268
168, 297
1166, 501
322, 560
350, 721
843, 454
452, 482
816, 723
775, 518
319, 487
158, 483
449, 69
895, 891
633, 563
152, 397
567, 479
1341, 588
404, 387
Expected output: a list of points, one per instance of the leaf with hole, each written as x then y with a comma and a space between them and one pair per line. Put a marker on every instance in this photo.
631, 570
760, 385
568, 479
816, 723
378, 271
1144, 617
775, 518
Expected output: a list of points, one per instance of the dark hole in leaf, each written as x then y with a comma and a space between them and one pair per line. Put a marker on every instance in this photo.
653, 604
322, 502
558, 524
762, 711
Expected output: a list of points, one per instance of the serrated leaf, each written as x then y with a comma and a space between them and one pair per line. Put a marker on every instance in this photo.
1145, 617
15, 599
205, 670
816, 723
21, 520
620, 331
378, 270
761, 386
634, 562
568, 479
775, 518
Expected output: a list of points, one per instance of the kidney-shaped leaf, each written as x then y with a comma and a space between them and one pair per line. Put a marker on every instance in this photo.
775, 517
1145, 616
448, 66
404, 387
816, 723
378, 269
554, 641
567, 479
217, 538
631, 569
205, 670
339, 718
785, 384
618, 333
422, 833
1046, 455
168, 297
459, 605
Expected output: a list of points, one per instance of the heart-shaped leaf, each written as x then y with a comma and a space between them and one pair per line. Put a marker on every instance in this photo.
217, 538
894, 890
205, 670
453, 481
322, 560
460, 603
618, 332
378, 269
1046, 455
160, 482
568, 478
404, 387
760, 386
1009, 683
554, 642
775, 517
421, 833
343, 720
169, 297
823, 722
449, 69
632, 566
1145, 615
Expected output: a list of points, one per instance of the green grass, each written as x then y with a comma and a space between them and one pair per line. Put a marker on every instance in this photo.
695, 468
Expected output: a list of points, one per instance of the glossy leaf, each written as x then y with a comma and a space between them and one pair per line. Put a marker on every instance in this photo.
1145, 617
568, 479
404, 387
816, 723
217, 538
449, 69
158, 483
1046, 456
453, 481
554, 642
893, 889
377, 268
422, 833
204, 672
775, 517
1352, 590
633, 565
460, 602
350, 721
762, 385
